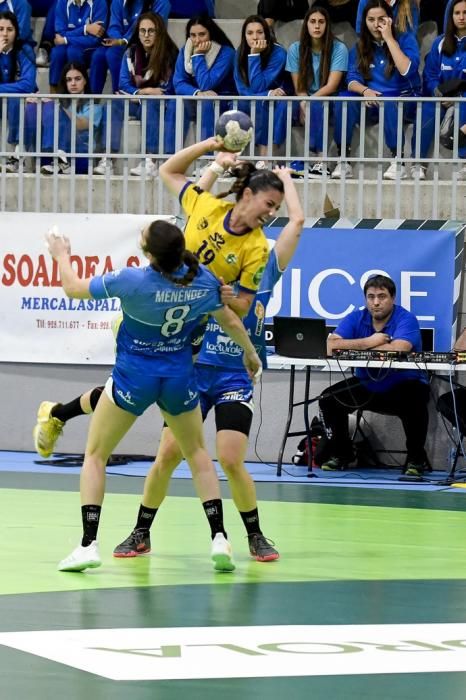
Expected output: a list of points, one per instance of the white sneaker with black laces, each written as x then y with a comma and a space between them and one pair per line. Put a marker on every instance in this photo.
82, 558
318, 171
104, 167
342, 171
221, 553
147, 167
395, 171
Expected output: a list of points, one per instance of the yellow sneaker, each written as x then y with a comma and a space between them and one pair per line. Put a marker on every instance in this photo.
47, 429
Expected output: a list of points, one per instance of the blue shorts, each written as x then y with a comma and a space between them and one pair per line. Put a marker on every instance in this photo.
135, 391
217, 386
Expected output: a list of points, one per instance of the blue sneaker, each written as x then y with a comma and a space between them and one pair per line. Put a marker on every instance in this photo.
297, 167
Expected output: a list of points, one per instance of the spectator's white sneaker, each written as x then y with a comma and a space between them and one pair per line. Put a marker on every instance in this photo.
418, 172
261, 165
343, 170
104, 167
395, 171
82, 558
221, 554
318, 171
146, 167
42, 58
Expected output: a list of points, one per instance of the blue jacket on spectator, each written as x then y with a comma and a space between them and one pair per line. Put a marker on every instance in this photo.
439, 67
396, 84
22, 10
219, 77
122, 22
192, 8
25, 73
414, 12
71, 20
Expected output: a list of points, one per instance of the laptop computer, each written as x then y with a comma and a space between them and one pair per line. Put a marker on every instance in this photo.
305, 338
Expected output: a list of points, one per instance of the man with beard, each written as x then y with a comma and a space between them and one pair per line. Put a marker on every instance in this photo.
381, 325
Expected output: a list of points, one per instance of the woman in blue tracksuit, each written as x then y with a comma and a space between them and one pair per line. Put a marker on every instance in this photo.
79, 29
123, 17
22, 10
17, 75
147, 69
204, 67
382, 63
317, 63
405, 15
162, 304
446, 61
260, 70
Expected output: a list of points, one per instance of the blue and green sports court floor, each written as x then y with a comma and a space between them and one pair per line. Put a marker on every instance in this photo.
368, 599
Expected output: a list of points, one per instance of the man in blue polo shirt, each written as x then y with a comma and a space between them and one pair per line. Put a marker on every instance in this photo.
382, 325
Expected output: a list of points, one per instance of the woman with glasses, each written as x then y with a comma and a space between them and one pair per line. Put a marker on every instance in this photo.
146, 69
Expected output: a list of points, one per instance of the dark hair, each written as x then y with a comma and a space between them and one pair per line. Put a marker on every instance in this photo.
166, 243
244, 49
215, 32
450, 43
257, 180
17, 45
365, 44
62, 87
381, 282
162, 58
306, 70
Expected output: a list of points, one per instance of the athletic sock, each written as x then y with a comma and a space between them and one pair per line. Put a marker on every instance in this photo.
90, 516
66, 411
214, 512
251, 522
145, 518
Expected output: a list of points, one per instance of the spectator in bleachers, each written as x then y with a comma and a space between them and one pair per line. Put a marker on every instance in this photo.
147, 69
282, 10
445, 75
405, 15
341, 10
204, 67
73, 81
79, 28
123, 17
382, 63
184, 9
260, 70
317, 63
22, 10
17, 75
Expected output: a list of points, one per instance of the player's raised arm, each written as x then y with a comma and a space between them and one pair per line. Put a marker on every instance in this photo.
288, 240
60, 250
173, 171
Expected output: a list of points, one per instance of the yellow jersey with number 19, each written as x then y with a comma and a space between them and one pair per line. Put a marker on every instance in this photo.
237, 257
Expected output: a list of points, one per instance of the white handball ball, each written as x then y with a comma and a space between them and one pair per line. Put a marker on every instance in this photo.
234, 128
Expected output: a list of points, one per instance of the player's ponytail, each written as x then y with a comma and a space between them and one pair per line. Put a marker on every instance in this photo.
166, 245
246, 175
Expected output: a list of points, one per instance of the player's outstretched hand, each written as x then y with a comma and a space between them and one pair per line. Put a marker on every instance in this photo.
57, 244
253, 365
282, 172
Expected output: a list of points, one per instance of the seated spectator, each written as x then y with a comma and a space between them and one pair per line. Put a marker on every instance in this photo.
340, 10
123, 17
382, 63
73, 81
185, 9
381, 325
147, 69
79, 28
22, 10
405, 15
444, 75
260, 70
282, 10
17, 75
204, 67
317, 63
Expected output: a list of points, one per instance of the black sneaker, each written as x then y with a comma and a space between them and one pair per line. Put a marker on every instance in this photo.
137, 543
335, 464
414, 469
261, 548
318, 171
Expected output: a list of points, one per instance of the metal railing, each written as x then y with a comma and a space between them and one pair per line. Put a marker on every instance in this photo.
367, 194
